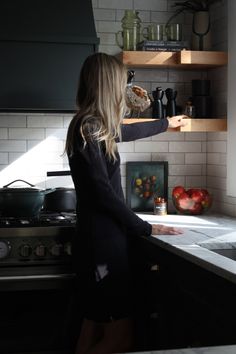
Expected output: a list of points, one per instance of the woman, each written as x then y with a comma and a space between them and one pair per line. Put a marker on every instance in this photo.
106, 226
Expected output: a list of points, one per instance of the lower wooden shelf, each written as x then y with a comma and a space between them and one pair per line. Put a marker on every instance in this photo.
184, 59
194, 124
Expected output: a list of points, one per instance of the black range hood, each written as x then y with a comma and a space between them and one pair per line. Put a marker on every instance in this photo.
43, 44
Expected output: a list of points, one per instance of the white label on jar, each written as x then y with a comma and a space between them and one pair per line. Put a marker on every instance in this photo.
160, 209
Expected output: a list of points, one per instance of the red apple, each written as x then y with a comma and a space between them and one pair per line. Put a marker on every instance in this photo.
191, 191
177, 191
196, 209
206, 202
204, 192
197, 196
184, 201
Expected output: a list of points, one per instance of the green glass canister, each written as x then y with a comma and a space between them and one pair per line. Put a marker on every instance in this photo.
129, 37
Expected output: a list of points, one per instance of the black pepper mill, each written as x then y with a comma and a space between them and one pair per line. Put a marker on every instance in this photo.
157, 105
130, 77
171, 104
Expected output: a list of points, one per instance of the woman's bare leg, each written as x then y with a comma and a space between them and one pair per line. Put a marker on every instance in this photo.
90, 333
117, 337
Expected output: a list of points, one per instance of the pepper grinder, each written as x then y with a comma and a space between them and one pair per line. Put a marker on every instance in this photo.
157, 105
130, 77
171, 104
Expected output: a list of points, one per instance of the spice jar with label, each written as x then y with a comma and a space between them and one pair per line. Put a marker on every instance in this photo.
190, 109
160, 206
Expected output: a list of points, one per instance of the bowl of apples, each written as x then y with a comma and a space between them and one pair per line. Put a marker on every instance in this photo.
193, 201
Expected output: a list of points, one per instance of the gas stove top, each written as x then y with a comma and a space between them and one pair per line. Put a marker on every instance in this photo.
36, 241
44, 219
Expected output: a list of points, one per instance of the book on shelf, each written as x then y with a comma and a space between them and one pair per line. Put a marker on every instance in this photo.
163, 45
162, 49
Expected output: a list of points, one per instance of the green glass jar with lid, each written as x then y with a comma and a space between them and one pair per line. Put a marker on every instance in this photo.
129, 37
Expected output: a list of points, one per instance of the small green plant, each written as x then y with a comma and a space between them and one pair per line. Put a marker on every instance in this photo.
191, 6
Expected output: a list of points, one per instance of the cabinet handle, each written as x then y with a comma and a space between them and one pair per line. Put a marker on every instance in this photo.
155, 268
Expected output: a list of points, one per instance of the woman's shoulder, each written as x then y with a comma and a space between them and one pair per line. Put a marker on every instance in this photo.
86, 130
90, 125
83, 124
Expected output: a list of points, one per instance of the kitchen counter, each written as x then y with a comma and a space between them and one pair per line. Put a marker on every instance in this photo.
190, 287
228, 349
210, 231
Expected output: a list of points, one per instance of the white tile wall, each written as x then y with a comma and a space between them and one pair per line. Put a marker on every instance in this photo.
32, 144
4, 158
184, 146
195, 158
3, 133
45, 121
153, 5
9, 120
115, 4
105, 14
146, 146
26, 133
216, 146
12, 146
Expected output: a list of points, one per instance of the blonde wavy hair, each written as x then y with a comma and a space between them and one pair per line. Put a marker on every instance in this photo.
101, 102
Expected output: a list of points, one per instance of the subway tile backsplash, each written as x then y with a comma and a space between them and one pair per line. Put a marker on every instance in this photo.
29, 152
30, 155
32, 144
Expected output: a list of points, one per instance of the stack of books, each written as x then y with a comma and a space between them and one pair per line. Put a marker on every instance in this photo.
163, 46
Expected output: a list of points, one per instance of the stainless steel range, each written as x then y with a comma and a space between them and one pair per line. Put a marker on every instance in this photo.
36, 281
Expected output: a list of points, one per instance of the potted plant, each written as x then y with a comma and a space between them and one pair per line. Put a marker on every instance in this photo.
201, 20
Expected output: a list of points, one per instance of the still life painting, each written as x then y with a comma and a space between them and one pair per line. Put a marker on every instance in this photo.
144, 180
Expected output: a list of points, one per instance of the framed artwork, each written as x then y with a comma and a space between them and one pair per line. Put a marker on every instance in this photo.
144, 180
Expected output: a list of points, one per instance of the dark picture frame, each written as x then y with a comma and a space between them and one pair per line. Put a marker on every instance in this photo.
144, 180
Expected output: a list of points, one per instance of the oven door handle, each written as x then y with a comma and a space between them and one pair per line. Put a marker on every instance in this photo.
38, 277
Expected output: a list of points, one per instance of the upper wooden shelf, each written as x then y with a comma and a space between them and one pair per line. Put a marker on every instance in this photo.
194, 124
182, 59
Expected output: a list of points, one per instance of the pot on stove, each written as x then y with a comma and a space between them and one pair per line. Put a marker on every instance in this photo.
22, 202
61, 199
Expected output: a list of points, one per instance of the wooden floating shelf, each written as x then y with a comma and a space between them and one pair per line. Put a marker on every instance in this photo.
208, 59
149, 59
194, 124
182, 59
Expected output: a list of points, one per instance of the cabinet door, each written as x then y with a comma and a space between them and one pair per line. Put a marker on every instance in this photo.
192, 303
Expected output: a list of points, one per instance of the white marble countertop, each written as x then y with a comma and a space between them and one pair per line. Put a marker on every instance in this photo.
227, 349
210, 231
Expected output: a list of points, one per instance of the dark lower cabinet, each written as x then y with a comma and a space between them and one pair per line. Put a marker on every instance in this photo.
36, 321
184, 305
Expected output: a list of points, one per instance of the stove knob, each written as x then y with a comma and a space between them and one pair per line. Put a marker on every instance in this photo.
25, 250
68, 249
40, 250
5, 249
57, 249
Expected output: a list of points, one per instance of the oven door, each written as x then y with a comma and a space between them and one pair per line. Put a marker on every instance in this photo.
36, 312
20, 278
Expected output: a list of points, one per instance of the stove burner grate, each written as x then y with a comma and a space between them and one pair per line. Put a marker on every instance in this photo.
44, 219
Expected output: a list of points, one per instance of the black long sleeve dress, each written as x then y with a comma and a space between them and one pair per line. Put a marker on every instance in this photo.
105, 226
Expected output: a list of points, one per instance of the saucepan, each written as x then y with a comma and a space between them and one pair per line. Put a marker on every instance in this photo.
62, 199
22, 202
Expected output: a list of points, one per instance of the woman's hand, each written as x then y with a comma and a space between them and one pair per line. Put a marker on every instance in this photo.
177, 121
158, 229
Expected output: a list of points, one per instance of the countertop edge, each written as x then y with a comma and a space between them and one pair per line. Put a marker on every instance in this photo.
196, 259
198, 230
